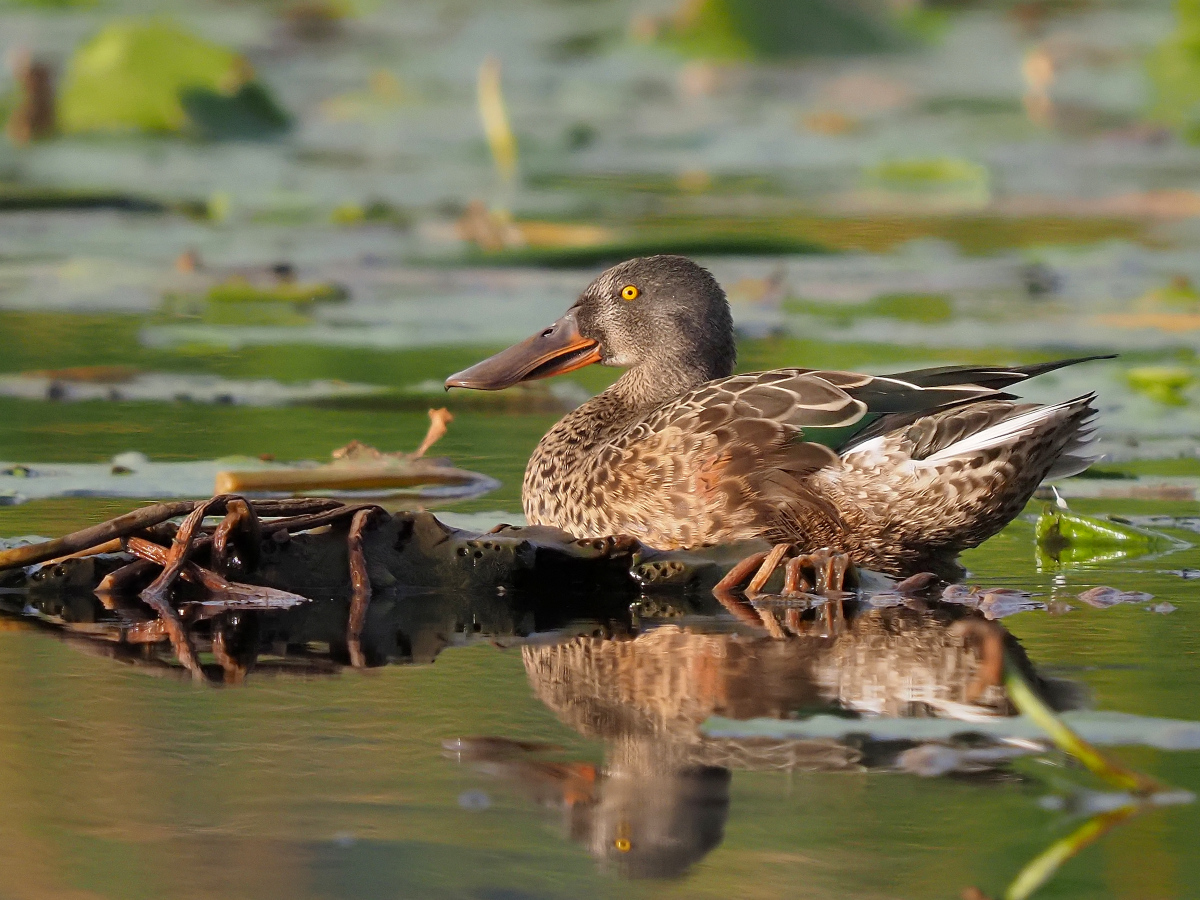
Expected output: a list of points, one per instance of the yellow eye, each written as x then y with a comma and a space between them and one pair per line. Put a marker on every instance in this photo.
629, 292
622, 844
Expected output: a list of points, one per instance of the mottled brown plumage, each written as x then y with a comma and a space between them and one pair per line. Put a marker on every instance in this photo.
899, 472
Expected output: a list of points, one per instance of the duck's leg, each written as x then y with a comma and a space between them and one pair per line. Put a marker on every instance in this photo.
830, 571
794, 581
769, 564
725, 590
734, 577
763, 565
836, 567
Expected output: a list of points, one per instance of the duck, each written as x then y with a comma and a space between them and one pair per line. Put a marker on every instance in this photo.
894, 473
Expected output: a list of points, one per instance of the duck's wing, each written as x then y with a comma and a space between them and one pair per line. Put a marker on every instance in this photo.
820, 406
994, 377
965, 378
725, 459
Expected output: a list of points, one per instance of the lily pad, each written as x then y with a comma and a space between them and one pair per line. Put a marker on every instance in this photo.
925, 308
1067, 537
1165, 384
1174, 70
779, 29
936, 175
152, 76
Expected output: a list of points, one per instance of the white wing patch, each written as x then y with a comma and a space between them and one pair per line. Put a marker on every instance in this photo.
1007, 432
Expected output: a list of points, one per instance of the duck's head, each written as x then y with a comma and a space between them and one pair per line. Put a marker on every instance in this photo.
662, 314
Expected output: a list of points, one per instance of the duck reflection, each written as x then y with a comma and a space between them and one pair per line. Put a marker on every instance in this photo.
640, 679
659, 802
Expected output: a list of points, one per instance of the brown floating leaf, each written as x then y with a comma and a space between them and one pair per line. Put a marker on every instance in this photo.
357, 467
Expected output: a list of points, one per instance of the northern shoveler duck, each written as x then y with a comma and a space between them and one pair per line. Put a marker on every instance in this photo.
899, 472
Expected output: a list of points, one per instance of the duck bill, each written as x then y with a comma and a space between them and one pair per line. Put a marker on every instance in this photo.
553, 351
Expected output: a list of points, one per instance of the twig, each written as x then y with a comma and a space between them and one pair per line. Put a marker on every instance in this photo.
316, 520
360, 584
1041, 868
240, 514
1030, 704
120, 581
155, 595
119, 527
142, 519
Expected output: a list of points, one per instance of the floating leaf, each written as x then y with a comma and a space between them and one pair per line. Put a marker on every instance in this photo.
249, 113
778, 29
1067, 537
927, 173
1174, 70
239, 290
924, 308
152, 76
1165, 384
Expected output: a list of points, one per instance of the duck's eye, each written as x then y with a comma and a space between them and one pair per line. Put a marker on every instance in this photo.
622, 845
630, 292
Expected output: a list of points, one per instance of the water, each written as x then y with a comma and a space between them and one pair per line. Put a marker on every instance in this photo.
314, 780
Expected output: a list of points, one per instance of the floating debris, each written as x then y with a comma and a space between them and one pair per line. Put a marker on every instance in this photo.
994, 603
1102, 597
362, 469
33, 118
134, 476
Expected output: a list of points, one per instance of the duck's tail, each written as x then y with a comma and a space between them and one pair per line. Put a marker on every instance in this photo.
1067, 430
950, 480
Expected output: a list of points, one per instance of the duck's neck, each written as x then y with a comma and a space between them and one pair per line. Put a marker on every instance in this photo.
648, 387
634, 395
